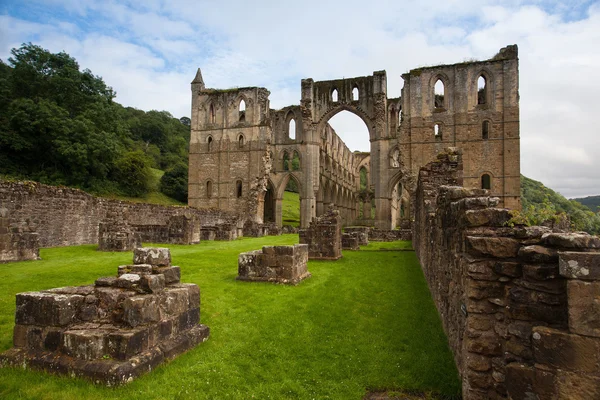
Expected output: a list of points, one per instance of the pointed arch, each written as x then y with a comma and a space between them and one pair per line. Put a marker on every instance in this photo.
439, 93
209, 143
355, 93
334, 95
209, 189
212, 115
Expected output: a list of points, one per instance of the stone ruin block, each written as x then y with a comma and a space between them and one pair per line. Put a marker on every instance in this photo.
208, 233
361, 232
117, 236
183, 229
324, 237
18, 243
114, 330
350, 241
280, 264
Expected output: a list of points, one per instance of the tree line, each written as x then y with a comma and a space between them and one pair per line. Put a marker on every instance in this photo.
61, 125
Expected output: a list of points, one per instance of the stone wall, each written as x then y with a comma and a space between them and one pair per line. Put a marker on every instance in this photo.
65, 217
520, 305
324, 237
114, 330
18, 241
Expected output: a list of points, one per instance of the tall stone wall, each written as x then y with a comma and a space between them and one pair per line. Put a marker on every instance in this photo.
520, 305
65, 217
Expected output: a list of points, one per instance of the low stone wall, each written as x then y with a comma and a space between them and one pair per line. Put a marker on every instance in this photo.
112, 331
18, 242
280, 264
324, 236
520, 305
66, 217
361, 232
389, 235
350, 241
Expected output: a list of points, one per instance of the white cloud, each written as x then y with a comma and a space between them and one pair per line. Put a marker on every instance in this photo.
149, 53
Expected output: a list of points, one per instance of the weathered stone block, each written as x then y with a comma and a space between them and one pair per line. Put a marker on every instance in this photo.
128, 281
139, 269
584, 307
538, 254
572, 240
500, 247
126, 343
282, 264
84, 344
155, 256
350, 241
47, 309
153, 283
563, 350
577, 265
172, 274
138, 310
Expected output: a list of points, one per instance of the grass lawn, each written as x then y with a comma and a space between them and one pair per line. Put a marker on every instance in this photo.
361, 323
290, 212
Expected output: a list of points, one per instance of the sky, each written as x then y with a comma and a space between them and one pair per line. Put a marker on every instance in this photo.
148, 52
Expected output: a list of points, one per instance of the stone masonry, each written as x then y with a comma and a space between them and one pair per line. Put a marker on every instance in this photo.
114, 330
520, 305
280, 264
324, 237
350, 241
115, 234
240, 148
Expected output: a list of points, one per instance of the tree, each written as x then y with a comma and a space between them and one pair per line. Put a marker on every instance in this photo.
174, 183
132, 172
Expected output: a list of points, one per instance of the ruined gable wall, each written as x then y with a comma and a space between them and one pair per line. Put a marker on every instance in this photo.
461, 118
65, 217
519, 312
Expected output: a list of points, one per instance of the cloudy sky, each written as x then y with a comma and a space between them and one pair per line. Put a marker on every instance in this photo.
148, 51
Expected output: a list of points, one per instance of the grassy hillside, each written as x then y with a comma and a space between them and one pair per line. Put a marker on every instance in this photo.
364, 321
591, 202
154, 195
538, 199
290, 212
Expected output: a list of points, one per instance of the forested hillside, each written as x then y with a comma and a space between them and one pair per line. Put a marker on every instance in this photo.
61, 125
591, 202
540, 203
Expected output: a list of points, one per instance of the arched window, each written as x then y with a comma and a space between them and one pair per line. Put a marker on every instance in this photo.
286, 161
238, 188
209, 189
438, 92
209, 143
437, 131
334, 95
295, 161
485, 130
355, 94
292, 129
241, 141
242, 110
486, 182
481, 90
213, 115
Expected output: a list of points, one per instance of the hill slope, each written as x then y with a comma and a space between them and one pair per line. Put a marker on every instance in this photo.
591, 202
538, 199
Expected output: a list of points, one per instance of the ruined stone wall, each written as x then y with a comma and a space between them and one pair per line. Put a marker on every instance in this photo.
461, 114
65, 217
521, 315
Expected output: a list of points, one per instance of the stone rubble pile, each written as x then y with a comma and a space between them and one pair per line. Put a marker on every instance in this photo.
114, 330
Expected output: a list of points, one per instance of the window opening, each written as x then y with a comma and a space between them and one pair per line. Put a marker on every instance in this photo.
209, 189
241, 141
485, 130
295, 161
238, 188
292, 129
486, 182
355, 94
334, 95
242, 110
209, 141
286, 161
481, 90
438, 92
213, 116
437, 131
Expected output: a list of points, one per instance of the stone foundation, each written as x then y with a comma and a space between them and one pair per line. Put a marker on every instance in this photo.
350, 241
112, 331
520, 305
279, 264
361, 232
324, 237
115, 234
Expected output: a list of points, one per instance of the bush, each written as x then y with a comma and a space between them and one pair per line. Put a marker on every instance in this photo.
174, 183
132, 173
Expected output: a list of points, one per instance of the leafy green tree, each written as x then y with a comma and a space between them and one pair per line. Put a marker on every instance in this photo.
174, 183
132, 173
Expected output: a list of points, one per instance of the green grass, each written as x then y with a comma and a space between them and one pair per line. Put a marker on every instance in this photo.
361, 323
290, 212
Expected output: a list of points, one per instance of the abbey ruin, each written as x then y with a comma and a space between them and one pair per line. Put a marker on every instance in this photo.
243, 153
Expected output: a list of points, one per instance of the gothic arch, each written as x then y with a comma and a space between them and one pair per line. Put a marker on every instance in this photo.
337, 108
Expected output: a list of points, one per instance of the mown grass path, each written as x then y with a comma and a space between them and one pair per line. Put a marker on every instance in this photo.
364, 322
